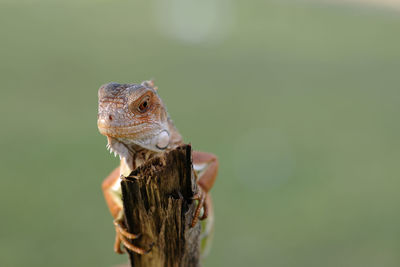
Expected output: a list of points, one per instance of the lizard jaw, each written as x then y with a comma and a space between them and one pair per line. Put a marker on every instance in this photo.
157, 143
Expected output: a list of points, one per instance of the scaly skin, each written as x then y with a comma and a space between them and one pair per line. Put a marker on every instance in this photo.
137, 126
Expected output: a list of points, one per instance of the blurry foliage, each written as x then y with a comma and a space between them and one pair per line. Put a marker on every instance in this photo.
299, 100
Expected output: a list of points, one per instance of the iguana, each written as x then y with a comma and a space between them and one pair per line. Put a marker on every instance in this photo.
138, 127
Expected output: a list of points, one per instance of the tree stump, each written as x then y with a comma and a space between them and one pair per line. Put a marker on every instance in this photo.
158, 204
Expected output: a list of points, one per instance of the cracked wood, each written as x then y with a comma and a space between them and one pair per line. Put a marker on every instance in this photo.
158, 204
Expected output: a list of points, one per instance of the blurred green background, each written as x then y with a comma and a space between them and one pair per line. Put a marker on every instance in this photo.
299, 99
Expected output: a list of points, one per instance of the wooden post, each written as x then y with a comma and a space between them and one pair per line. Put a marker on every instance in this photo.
158, 204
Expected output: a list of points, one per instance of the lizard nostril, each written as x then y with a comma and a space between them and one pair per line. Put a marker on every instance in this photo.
110, 117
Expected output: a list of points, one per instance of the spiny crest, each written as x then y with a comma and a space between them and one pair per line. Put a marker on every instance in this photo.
150, 83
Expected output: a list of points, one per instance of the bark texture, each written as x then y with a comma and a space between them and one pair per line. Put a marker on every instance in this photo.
158, 204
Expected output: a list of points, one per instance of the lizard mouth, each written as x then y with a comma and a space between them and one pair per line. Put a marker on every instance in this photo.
124, 131
111, 125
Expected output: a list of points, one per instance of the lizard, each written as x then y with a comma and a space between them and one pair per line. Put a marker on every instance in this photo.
138, 127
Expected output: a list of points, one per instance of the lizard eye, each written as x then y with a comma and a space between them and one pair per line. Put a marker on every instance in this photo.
144, 104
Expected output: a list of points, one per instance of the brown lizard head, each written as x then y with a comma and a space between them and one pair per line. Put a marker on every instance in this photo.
133, 114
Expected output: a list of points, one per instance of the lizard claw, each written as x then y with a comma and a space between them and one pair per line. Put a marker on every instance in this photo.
122, 236
201, 197
120, 228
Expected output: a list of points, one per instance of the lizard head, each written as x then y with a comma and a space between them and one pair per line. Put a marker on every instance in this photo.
133, 114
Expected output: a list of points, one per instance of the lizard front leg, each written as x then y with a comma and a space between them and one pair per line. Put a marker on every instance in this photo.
206, 167
113, 202
112, 194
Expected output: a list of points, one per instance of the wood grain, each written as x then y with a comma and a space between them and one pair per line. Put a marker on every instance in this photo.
158, 204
